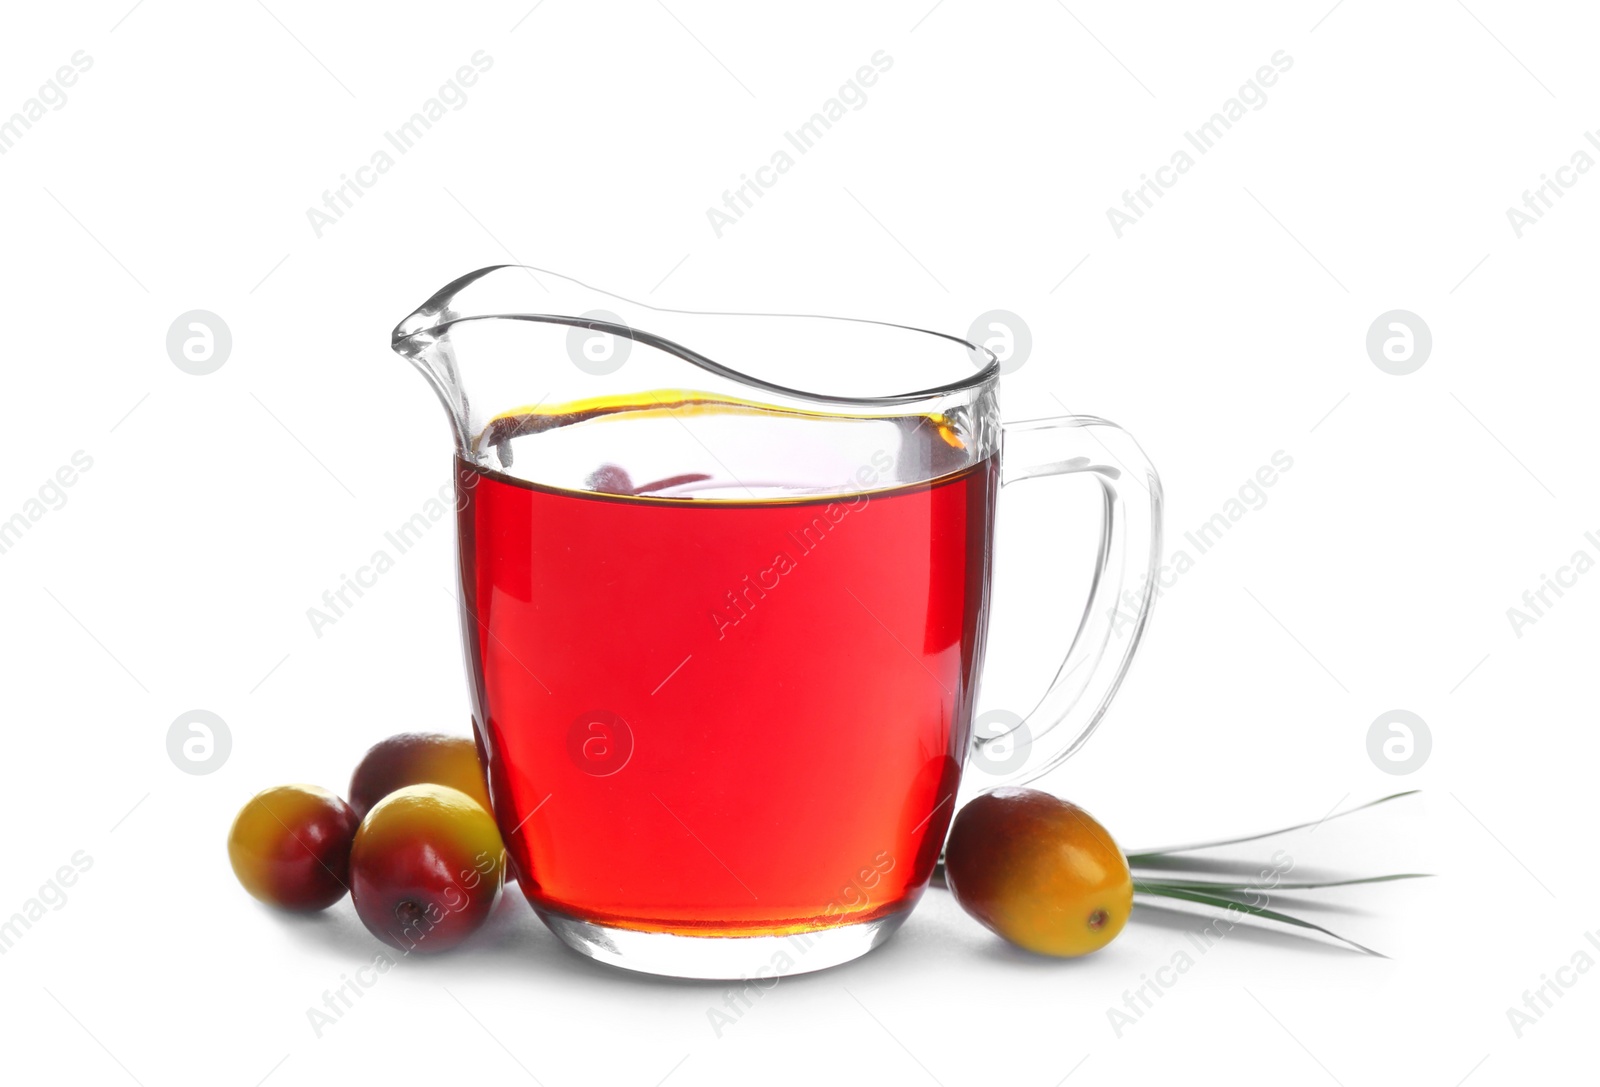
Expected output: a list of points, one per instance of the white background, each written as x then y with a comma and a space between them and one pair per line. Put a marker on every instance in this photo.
1228, 324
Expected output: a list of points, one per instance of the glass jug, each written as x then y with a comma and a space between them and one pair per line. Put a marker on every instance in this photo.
724, 595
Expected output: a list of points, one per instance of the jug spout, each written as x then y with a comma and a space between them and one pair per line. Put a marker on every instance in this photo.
491, 342
423, 339
434, 359
550, 380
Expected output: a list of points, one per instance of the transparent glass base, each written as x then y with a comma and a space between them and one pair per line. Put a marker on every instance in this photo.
723, 957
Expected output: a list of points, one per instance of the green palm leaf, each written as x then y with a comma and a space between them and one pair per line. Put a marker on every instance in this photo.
1158, 890
1148, 855
1207, 886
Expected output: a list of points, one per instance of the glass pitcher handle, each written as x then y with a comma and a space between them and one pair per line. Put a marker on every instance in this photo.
1117, 611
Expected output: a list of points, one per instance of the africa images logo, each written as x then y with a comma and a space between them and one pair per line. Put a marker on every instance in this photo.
1252, 94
